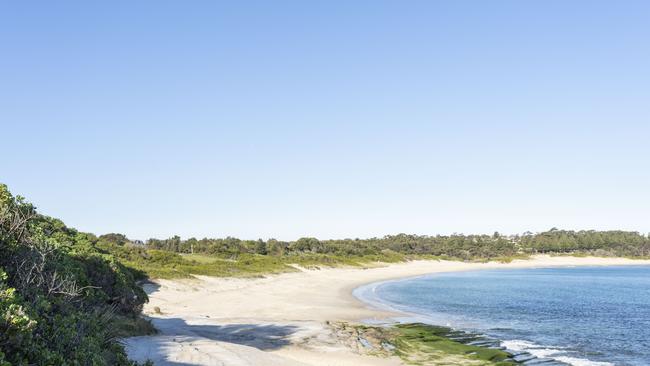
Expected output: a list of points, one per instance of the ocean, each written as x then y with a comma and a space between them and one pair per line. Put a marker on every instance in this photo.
583, 316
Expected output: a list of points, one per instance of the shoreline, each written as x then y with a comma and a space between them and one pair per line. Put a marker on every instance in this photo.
283, 319
374, 303
522, 349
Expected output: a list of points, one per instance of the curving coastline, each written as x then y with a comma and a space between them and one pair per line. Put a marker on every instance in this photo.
544, 353
283, 319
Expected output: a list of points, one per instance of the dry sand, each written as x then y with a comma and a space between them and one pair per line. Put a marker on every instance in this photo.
282, 319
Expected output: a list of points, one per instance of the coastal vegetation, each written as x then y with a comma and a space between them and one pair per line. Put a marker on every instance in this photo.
63, 301
229, 256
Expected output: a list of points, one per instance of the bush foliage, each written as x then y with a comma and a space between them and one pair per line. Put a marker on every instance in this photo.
60, 294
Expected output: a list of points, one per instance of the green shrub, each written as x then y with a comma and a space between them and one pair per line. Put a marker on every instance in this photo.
61, 296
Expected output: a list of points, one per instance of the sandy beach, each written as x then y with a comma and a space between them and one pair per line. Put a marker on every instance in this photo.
284, 319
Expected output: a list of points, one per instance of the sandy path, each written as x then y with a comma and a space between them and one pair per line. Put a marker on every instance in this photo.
280, 319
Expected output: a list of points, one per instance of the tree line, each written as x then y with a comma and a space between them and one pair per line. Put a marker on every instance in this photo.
603, 243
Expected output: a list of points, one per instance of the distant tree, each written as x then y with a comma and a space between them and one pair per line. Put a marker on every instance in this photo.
260, 247
305, 245
117, 239
275, 247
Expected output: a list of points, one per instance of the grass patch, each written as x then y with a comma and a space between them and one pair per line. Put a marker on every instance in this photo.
422, 344
201, 258
164, 264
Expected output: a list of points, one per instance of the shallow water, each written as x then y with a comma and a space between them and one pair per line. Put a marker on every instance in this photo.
581, 316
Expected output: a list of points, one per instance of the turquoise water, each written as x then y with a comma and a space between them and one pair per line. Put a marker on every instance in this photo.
580, 316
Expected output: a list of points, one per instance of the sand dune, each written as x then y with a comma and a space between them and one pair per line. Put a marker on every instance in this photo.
282, 319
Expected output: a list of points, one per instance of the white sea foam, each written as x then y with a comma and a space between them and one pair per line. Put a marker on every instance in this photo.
533, 349
557, 353
518, 345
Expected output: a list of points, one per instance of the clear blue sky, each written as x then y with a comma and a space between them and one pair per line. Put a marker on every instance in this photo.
329, 119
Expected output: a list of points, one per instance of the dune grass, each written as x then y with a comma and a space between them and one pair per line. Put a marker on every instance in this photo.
155, 263
164, 264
